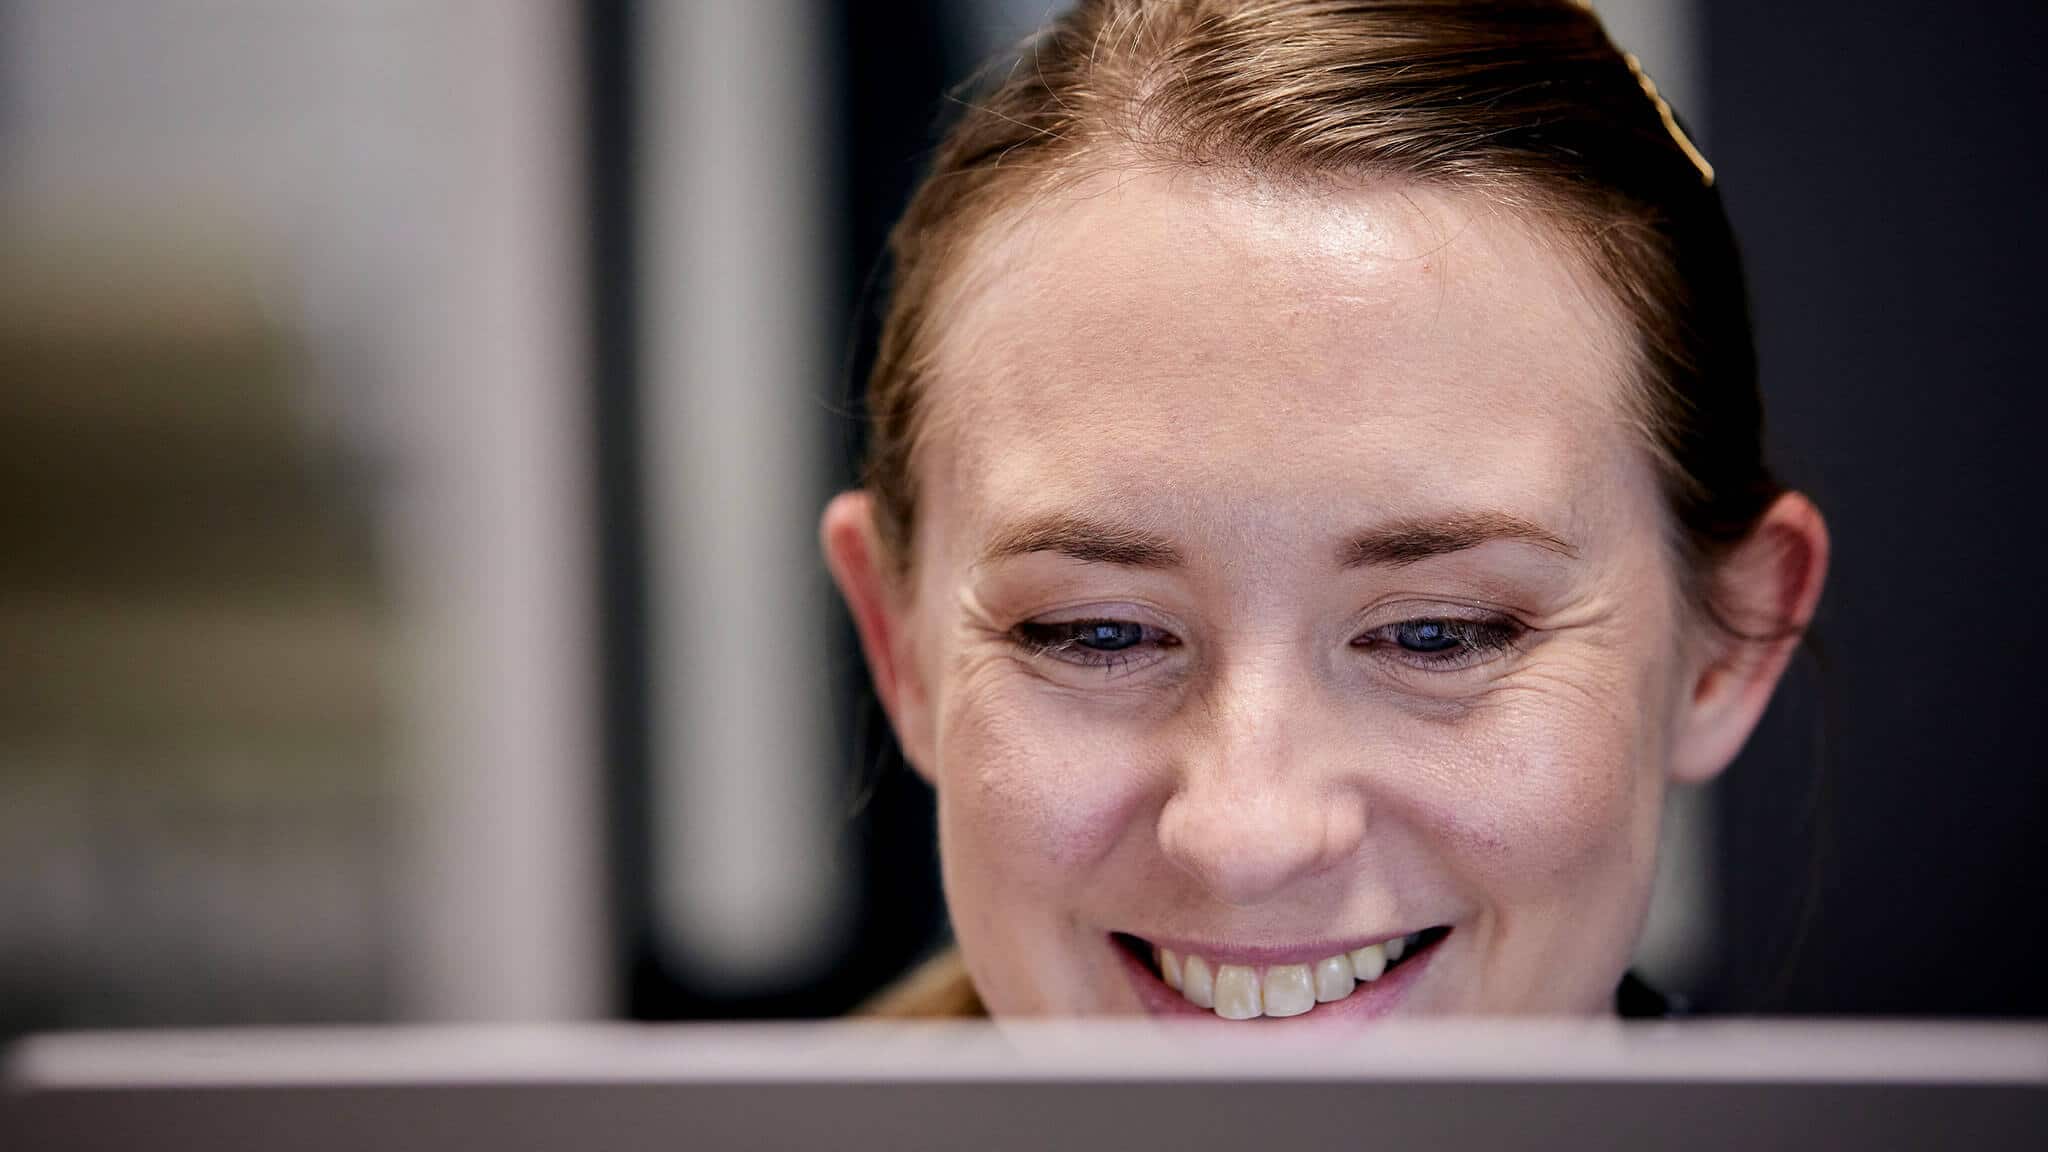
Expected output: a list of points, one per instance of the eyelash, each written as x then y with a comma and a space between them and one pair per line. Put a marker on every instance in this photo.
1061, 640
1474, 640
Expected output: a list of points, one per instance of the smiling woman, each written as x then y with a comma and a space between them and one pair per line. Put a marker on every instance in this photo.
1316, 508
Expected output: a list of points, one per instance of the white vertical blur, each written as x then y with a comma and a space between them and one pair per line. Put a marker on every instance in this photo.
393, 188
502, 879
750, 875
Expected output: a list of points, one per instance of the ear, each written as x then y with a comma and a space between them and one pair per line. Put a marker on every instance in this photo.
1766, 591
868, 580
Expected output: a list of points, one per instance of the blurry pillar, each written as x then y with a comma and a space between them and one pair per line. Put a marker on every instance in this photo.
751, 882
503, 890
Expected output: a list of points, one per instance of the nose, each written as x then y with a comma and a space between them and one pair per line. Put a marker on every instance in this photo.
1259, 803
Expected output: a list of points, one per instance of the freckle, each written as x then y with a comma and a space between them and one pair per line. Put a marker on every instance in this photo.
1490, 839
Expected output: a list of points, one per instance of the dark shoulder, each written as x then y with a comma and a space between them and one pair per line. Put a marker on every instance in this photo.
1637, 999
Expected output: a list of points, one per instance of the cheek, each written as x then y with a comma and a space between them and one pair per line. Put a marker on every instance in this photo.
1031, 791
1546, 786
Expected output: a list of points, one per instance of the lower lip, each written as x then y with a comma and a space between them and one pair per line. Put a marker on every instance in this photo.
1369, 1001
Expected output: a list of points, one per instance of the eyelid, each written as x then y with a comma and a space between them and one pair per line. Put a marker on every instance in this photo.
1119, 611
1097, 609
1411, 606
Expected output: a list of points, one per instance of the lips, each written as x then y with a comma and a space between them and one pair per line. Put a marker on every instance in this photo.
1367, 980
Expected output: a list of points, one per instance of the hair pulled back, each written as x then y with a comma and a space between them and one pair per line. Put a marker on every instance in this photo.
1524, 101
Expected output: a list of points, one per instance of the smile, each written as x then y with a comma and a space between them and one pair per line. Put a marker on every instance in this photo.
1246, 991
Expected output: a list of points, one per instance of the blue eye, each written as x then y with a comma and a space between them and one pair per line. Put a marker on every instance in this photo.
1442, 643
1090, 635
1107, 644
1425, 635
1108, 635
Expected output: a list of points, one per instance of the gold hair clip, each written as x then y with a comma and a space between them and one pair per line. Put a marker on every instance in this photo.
1670, 118
1685, 144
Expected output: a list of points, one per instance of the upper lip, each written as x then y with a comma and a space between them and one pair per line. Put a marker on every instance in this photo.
1265, 955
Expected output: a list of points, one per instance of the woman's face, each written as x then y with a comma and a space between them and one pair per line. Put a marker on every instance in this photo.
1289, 580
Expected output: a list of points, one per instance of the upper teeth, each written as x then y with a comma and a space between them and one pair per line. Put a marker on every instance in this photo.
1241, 992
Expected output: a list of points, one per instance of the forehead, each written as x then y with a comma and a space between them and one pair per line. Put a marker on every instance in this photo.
1177, 345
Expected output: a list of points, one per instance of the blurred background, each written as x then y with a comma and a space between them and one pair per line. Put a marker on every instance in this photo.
414, 416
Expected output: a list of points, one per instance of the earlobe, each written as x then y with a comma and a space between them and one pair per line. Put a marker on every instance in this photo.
1767, 591
861, 568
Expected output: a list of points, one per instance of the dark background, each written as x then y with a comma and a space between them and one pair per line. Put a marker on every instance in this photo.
1882, 163
1880, 844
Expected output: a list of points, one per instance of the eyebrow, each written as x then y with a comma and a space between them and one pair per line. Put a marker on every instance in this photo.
1392, 545
1080, 538
1411, 541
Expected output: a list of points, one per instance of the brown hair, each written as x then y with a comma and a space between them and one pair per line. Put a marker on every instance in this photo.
1525, 101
